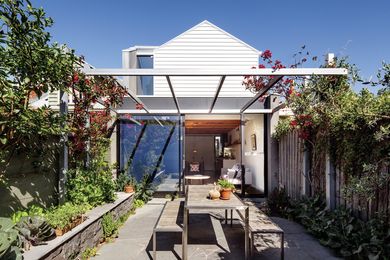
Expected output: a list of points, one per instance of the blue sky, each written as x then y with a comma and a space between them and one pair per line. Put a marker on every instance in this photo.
99, 30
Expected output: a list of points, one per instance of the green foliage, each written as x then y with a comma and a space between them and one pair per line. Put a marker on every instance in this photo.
138, 203
278, 201
282, 128
110, 226
354, 128
9, 240
93, 185
88, 253
340, 230
31, 212
123, 180
225, 184
30, 65
35, 230
145, 188
61, 216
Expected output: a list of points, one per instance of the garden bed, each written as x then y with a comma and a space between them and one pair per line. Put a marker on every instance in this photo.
86, 235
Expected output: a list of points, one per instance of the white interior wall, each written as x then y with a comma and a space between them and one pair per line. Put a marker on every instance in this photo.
254, 159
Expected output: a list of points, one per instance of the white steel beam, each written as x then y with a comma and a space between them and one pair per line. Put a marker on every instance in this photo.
216, 72
217, 93
194, 111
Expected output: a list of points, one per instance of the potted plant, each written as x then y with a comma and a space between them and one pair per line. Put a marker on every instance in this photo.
130, 184
226, 188
125, 182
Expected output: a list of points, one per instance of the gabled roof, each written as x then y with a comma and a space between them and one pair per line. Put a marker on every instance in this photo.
215, 27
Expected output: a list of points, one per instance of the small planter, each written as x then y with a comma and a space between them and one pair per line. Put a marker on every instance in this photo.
225, 194
61, 231
129, 189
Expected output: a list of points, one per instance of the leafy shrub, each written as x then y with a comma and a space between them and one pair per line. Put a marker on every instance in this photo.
282, 128
110, 226
9, 240
278, 201
145, 188
31, 212
88, 253
60, 217
34, 230
340, 230
94, 186
138, 203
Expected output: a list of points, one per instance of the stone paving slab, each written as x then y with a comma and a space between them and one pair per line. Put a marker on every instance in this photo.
209, 238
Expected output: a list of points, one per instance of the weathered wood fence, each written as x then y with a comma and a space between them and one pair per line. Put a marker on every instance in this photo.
301, 179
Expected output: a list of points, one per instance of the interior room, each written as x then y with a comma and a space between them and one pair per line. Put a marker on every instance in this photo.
213, 147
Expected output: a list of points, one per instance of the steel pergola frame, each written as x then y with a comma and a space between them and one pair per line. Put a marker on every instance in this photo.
277, 74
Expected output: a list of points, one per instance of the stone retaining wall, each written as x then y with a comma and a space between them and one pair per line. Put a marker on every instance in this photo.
85, 235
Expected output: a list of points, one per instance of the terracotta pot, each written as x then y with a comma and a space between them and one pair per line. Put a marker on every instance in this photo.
61, 231
129, 189
225, 194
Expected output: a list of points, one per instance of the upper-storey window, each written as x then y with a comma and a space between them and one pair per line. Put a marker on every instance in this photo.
145, 83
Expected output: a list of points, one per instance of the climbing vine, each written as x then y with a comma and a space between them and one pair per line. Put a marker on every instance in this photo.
353, 127
93, 99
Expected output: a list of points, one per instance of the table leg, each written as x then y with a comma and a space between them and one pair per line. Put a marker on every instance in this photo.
185, 235
247, 233
231, 218
226, 216
154, 245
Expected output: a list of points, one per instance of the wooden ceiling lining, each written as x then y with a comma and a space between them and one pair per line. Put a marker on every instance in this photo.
210, 126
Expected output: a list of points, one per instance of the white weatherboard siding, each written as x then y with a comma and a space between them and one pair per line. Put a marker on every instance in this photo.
204, 46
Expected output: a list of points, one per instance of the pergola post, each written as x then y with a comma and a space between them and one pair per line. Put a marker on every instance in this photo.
242, 137
64, 152
330, 169
271, 147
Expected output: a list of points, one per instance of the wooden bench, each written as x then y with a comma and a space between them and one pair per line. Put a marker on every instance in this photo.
260, 223
170, 220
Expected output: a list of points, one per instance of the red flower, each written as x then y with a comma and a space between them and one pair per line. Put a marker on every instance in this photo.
87, 81
139, 106
293, 123
267, 54
261, 66
290, 91
75, 78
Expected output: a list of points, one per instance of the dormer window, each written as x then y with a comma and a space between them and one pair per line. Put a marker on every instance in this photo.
145, 83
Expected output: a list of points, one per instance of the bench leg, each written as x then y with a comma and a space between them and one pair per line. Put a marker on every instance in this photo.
252, 243
231, 218
154, 245
185, 234
226, 216
282, 247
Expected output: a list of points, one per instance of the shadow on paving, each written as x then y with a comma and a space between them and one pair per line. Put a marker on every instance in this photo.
209, 238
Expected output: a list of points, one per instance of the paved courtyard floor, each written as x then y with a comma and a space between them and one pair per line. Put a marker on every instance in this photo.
209, 238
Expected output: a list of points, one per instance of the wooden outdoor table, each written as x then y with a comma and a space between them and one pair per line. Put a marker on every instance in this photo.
197, 198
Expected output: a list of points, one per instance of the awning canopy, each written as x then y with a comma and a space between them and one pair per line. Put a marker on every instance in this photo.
206, 105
